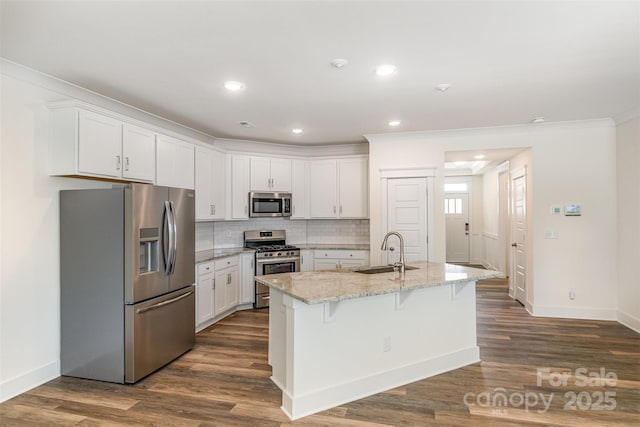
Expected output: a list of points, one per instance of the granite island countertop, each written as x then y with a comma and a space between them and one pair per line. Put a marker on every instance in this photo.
316, 287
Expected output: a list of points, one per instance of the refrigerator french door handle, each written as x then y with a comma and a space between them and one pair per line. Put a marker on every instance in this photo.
174, 252
168, 218
163, 303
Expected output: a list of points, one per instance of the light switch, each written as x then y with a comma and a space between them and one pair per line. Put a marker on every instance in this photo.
551, 234
556, 210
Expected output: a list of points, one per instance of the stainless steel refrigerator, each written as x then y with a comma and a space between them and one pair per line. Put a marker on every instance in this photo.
127, 273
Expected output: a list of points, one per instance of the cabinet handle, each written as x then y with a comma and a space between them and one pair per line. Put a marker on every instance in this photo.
126, 163
214, 284
211, 211
118, 163
340, 209
294, 210
301, 259
334, 209
245, 209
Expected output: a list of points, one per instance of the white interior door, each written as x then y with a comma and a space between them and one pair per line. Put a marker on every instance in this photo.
519, 234
407, 214
456, 211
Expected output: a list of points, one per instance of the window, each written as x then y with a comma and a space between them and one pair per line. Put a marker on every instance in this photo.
455, 187
453, 206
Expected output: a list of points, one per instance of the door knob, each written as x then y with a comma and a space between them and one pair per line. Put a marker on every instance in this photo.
515, 245
391, 248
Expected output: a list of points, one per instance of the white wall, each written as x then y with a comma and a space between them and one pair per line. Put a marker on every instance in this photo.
574, 163
29, 248
628, 157
490, 219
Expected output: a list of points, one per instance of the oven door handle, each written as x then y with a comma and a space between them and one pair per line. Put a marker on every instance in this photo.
277, 260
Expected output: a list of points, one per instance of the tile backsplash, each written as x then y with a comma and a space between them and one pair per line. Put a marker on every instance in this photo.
230, 234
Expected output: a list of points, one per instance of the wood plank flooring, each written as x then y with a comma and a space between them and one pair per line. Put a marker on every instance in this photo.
224, 381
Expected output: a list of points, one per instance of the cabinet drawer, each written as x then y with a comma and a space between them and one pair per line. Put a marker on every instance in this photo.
226, 262
206, 268
340, 254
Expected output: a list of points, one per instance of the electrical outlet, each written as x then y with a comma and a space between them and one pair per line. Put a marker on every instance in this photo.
572, 293
229, 234
386, 344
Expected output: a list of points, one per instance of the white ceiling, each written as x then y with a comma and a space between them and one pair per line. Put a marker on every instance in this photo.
507, 62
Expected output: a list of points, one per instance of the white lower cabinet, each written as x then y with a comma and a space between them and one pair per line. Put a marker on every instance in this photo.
217, 289
247, 271
331, 259
204, 293
306, 260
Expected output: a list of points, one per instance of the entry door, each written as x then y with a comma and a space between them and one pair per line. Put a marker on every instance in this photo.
407, 214
519, 229
456, 211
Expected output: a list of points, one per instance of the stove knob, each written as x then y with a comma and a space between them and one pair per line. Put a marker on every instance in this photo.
279, 253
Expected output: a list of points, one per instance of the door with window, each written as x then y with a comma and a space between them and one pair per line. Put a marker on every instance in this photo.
456, 211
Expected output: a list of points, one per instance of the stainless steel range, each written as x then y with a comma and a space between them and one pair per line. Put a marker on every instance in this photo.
273, 256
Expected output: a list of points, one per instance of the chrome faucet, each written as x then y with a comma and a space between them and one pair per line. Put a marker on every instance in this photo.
400, 264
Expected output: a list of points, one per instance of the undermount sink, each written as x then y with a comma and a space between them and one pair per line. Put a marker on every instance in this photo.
380, 269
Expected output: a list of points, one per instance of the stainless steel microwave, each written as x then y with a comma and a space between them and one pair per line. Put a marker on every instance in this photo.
269, 204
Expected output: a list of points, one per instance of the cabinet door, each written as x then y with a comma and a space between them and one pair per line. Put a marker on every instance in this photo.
99, 144
247, 287
219, 185
204, 295
323, 188
239, 187
281, 175
325, 264
204, 182
348, 263
299, 192
353, 188
306, 260
175, 163
233, 287
260, 176
220, 292
138, 153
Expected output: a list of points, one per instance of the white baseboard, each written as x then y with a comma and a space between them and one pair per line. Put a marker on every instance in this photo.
16, 385
629, 321
330, 397
588, 313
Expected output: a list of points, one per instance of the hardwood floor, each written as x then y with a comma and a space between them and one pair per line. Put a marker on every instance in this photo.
224, 381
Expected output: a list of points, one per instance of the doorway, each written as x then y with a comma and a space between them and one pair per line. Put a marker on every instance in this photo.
456, 211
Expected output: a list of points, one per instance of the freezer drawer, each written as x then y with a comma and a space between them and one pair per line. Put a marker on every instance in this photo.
158, 331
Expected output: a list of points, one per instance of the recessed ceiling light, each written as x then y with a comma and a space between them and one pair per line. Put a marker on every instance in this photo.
339, 63
479, 156
233, 85
538, 120
296, 131
443, 87
394, 122
385, 69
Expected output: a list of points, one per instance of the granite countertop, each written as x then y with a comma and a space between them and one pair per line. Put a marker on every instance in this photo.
339, 246
212, 254
317, 287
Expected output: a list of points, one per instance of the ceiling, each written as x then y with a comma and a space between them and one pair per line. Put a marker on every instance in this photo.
506, 62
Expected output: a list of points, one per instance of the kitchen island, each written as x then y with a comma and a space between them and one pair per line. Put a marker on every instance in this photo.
338, 335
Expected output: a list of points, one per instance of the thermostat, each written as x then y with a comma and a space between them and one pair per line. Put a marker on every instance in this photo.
572, 210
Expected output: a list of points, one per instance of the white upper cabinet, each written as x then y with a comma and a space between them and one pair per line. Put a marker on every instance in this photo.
270, 174
239, 186
339, 188
323, 188
175, 163
210, 184
91, 144
299, 189
138, 153
353, 188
